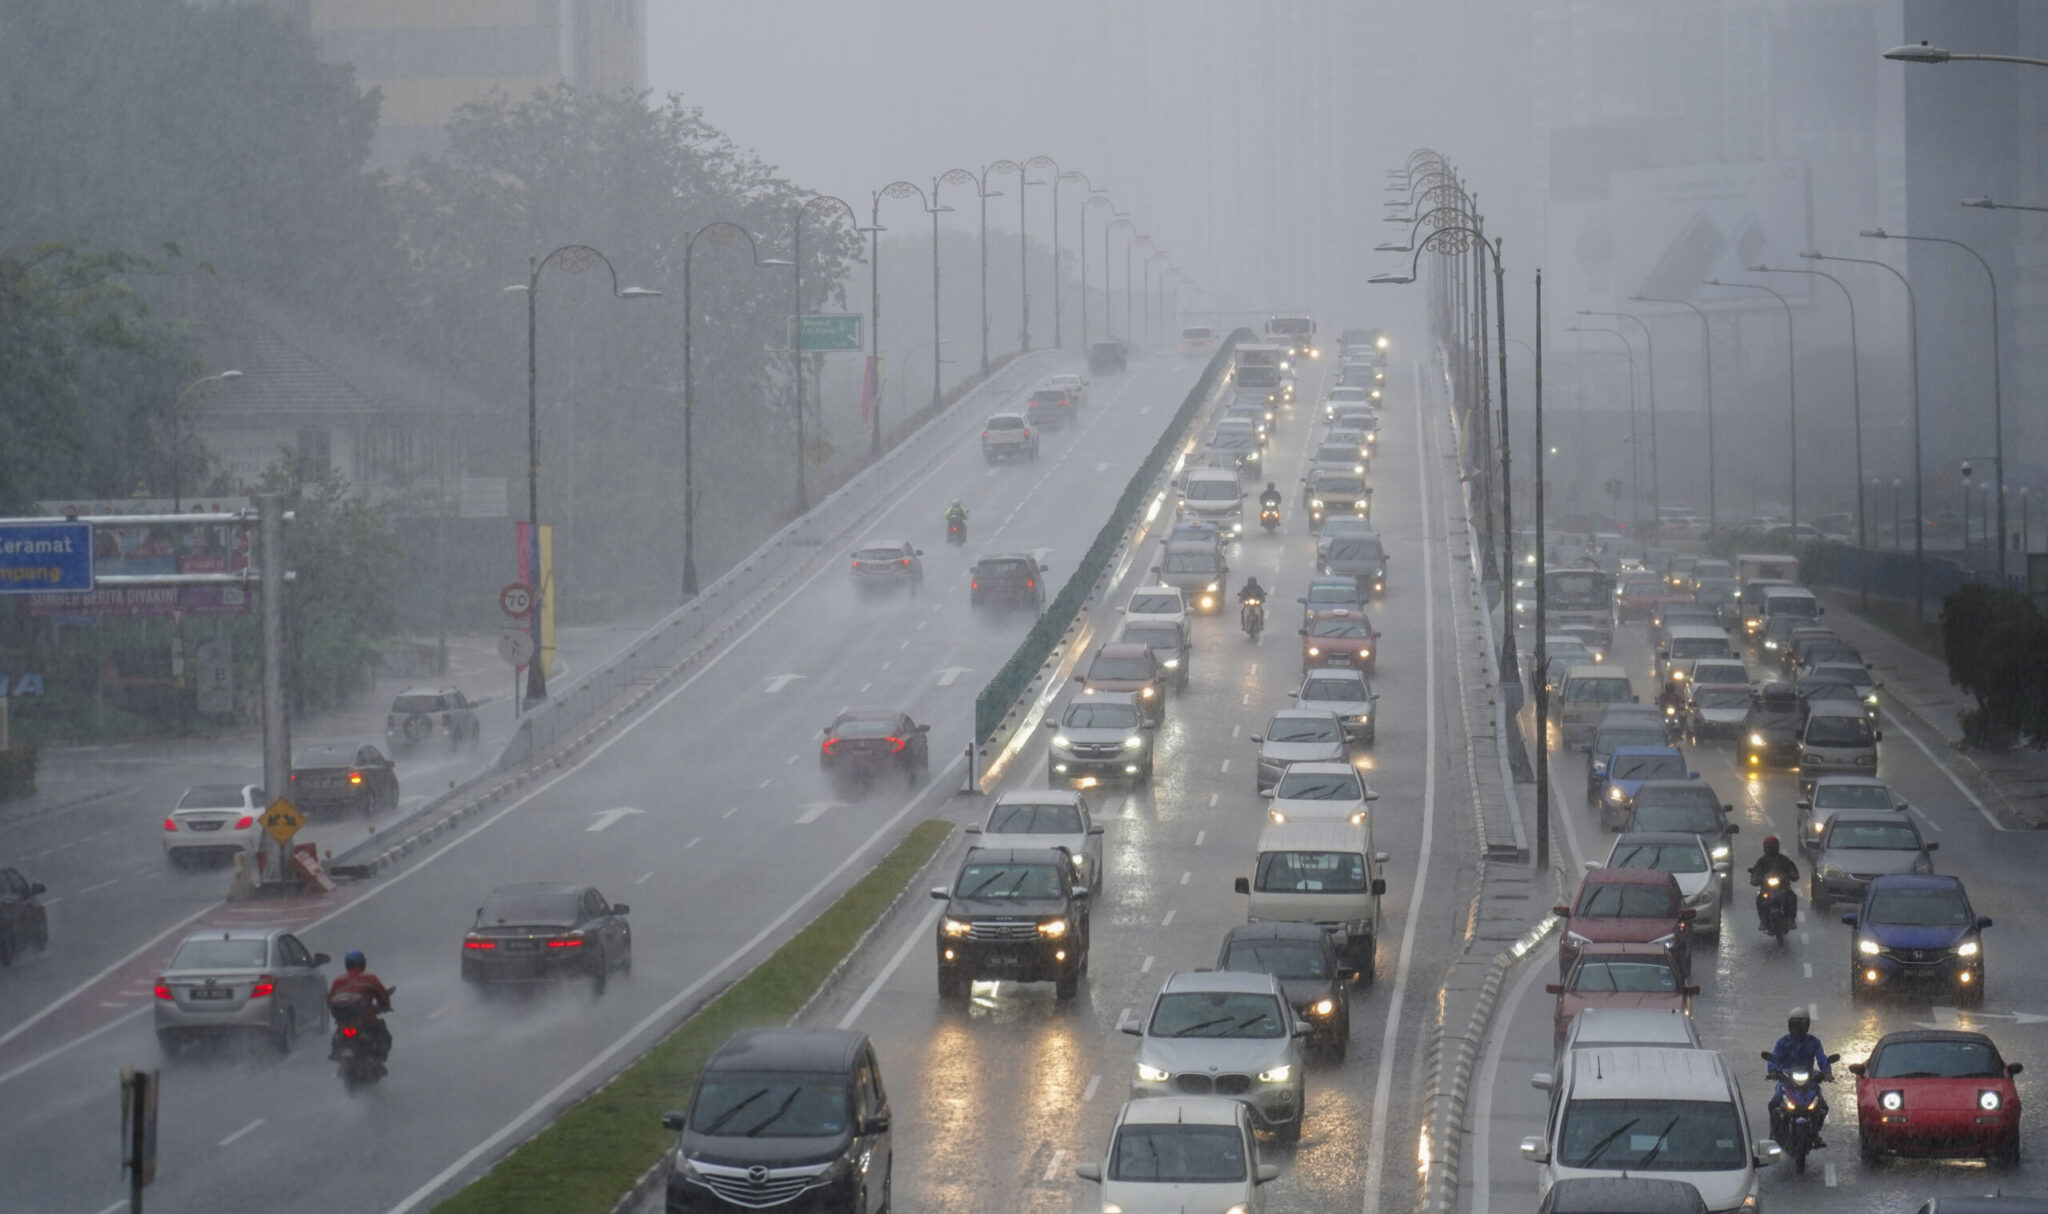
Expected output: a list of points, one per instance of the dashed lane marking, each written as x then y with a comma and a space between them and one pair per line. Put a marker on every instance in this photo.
1088, 1093
1052, 1169
1168, 921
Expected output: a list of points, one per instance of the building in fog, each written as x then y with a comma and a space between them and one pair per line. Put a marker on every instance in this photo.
431, 57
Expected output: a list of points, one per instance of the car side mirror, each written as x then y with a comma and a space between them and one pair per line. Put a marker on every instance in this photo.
1532, 1150
1767, 1153
1553, 988
1045, 568
35, 889
1081, 892
620, 908
878, 1124
1850, 919
672, 1120
1258, 739
1302, 1028
1692, 988
940, 893
1242, 885
1380, 857
1592, 866
1734, 828
1561, 911
1379, 887
1542, 1081
1301, 631
1855, 1068
321, 958
1805, 805
1089, 1171
1346, 973
1983, 921
1049, 724
924, 729
1687, 915
1133, 1028
1268, 1172
1877, 735
2013, 1068
917, 552
1155, 568
973, 830
1269, 793
1934, 846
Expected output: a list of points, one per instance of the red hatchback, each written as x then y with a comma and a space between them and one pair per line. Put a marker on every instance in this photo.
1338, 636
1626, 906
1623, 976
1937, 1093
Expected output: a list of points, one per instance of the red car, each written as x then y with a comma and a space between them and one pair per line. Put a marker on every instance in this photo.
1624, 976
1639, 595
1937, 1093
1626, 906
1336, 636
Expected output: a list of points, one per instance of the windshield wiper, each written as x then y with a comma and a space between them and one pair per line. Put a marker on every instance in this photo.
776, 1116
1658, 1145
1201, 1024
1246, 1023
992, 879
1601, 1146
719, 1121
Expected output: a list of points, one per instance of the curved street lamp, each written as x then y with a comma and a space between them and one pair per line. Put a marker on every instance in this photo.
796, 336
1044, 164
1122, 220
1649, 378
204, 385
980, 184
569, 259
1147, 330
689, 394
1081, 255
1791, 384
1707, 371
1130, 247
895, 189
1924, 53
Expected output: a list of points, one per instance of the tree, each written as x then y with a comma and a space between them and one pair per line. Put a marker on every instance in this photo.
341, 603
1996, 644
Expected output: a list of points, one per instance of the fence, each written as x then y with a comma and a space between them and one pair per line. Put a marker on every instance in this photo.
1016, 675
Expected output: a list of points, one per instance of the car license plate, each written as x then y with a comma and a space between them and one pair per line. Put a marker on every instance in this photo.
520, 946
1004, 961
212, 992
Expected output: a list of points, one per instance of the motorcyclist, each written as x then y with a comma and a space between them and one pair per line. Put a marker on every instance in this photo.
1270, 499
1670, 699
956, 513
1773, 862
375, 996
1800, 1049
1251, 593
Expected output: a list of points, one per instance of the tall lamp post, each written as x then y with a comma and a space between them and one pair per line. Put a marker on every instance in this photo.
1130, 247
1169, 305
1913, 362
1635, 504
796, 333
1149, 333
204, 384
1649, 378
690, 394
569, 259
1997, 380
980, 184
1122, 220
1707, 371
1081, 253
1791, 384
895, 189
1024, 180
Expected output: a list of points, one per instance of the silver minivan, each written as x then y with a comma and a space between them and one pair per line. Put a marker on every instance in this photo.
1689, 643
1837, 739
1323, 872
1585, 694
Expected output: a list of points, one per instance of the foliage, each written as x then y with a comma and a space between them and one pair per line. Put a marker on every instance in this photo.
18, 772
1996, 643
347, 574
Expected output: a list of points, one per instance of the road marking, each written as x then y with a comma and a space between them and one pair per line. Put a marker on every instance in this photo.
1234, 729
1168, 921
770, 780
1186, 877
102, 885
1827, 1172
1146, 968
891, 662
607, 817
1214, 797
119, 1205
1088, 1093
1102, 468
903, 645
1918, 813
778, 682
1252, 669
699, 838
441, 1011
1052, 1170
106, 1003
813, 810
1943, 768
644, 878
951, 673
241, 1133
1813, 1011
730, 812
1809, 971
911, 941
864, 688
1244, 700
87, 985
791, 759
1226, 767
1203, 834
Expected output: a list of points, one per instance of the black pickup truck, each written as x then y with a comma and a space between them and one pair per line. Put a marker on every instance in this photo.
1013, 914
1007, 580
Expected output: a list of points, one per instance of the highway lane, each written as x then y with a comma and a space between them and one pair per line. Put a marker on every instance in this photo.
994, 1105
736, 839
1748, 986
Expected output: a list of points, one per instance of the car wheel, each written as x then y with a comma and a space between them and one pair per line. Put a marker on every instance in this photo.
1366, 958
600, 972
1290, 1133
1068, 984
1866, 1148
1816, 902
282, 1036
889, 1168
952, 986
7, 948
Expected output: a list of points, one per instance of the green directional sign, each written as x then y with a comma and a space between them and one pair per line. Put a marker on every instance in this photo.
826, 331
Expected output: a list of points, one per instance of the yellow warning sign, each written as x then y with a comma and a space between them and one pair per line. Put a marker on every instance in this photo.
282, 820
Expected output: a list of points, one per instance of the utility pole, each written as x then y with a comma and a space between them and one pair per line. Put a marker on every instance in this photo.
277, 736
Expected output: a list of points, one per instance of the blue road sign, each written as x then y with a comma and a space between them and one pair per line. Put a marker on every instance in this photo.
38, 557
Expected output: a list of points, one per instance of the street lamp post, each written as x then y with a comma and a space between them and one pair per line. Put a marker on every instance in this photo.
1650, 378
1997, 380
980, 184
569, 259
1924, 53
1635, 503
895, 189
1913, 361
1130, 247
1169, 305
1024, 249
796, 334
1147, 330
203, 384
1707, 372
1791, 384
1121, 219
689, 395
1081, 255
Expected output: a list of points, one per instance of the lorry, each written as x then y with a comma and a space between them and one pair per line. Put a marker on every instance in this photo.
1582, 598
1295, 332
1259, 376
1753, 572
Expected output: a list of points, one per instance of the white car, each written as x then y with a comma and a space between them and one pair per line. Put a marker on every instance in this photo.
1158, 603
1180, 1155
1075, 386
1344, 691
1307, 791
1046, 817
214, 819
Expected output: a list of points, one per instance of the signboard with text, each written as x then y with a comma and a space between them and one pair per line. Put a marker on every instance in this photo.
826, 332
38, 557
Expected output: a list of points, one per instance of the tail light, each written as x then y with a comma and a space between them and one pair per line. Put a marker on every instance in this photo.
162, 991
264, 987
897, 745
974, 585
566, 942
480, 944
984, 434
355, 777
1029, 583
831, 744
347, 1031
1027, 433
170, 824
244, 822
906, 562
292, 777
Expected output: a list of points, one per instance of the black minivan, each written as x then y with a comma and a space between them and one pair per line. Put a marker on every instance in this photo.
784, 1119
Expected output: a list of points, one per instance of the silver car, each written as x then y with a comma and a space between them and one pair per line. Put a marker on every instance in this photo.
1100, 738
241, 981
1182, 1155
1831, 793
1348, 693
1298, 735
1197, 572
1860, 845
1046, 817
1213, 1033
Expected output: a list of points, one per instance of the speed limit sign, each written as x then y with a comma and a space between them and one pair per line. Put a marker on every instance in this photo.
516, 600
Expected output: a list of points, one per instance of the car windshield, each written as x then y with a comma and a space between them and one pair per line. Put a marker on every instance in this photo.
1218, 1014
212, 796
879, 554
220, 955
1609, 739
1936, 1060
406, 705
1722, 701
1347, 393
1652, 1135
1311, 872
1230, 440
993, 568
1196, 334
1157, 636
1120, 668
1156, 604
1853, 796
1664, 857
1009, 422
1635, 977
1212, 490
1873, 836
1697, 818
1846, 672
1596, 691
1054, 819
865, 727
1647, 767
1319, 786
1357, 550
1614, 900
1337, 453
1302, 730
1178, 1154
1340, 484
530, 906
1698, 647
1332, 592
1087, 714
1280, 958
1194, 533
770, 1104
1324, 626
1343, 690
1190, 562
1800, 605
1827, 689
1918, 908
1838, 731
1008, 881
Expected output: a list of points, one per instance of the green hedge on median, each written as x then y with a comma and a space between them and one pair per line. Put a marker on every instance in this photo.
1015, 678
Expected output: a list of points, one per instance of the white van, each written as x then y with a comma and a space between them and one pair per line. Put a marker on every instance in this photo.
1653, 1112
1838, 739
1688, 643
1323, 872
1212, 495
1585, 694
1789, 600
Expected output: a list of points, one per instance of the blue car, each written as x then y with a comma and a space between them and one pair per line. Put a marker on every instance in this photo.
1917, 930
1617, 781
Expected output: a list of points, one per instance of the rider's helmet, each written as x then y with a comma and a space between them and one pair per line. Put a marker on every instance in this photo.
354, 962
1798, 1022
1271, 487
1770, 845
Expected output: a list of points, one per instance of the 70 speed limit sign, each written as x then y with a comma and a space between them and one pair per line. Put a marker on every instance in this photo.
516, 600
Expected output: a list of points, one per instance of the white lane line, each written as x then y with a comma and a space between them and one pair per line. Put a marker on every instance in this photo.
770, 780
1383, 1087
918, 933
1226, 767
1146, 968
1168, 921
1809, 971
1252, 669
1201, 834
1052, 1170
107, 1003
1827, 1172
696, 840
242, 1133
1234, 729
891, 662
644, 878
102, 885
1954, 779
87, 985
1489, 1077
730, 812
441, 1011
119, 1205
1244, 699
791, 759
1922, 815
1186, 877
1088, 1093
904, 645
863, 691
1122, 1018
1214, 797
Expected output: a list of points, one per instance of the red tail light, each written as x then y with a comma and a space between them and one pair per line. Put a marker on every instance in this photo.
571, 942
1029, 583
906, 560
348, 1032
1027, 434
897, 745
984, 434
244, 822
485, 944
974, 585
162, 991
830, 743
265, 985
355, 777
292, 777
170, 824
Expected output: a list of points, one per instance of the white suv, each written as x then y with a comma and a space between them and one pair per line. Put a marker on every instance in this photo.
1175, 1153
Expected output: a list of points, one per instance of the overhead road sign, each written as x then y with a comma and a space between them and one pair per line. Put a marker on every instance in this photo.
825, 332
38, 557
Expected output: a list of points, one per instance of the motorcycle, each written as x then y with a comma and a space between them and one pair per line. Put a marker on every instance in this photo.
956, 530
1253, 617
360, 1046
1796, 1110
1269, 518
1777, 907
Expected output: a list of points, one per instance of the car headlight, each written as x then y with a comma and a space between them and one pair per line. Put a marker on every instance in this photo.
1756, 739
1053, 929
1314, 652
1358, 469
1615, 794
1323, 1007
1251, 457
1576, 940
956, 927
1869, 948
1152, 1074
1871, 698
1062, 741
1172, 663
1818, 827
1666, 938
1701, 898
1989, 1101
1078, 860
1214, 587
1135, 742
1239, 1208
1279, 1074
1892, 1101
1831, 870
1316, 502
1967, 948
1720, 851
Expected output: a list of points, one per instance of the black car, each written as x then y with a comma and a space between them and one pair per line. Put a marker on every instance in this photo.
23, 922
1013, 914
1006, 581
1362, 558
1770, 733
541, 933
1107, 356
340, 776
1304, 959
863, 743
784, 1118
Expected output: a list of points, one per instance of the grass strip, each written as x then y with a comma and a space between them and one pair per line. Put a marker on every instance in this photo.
590, 1155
